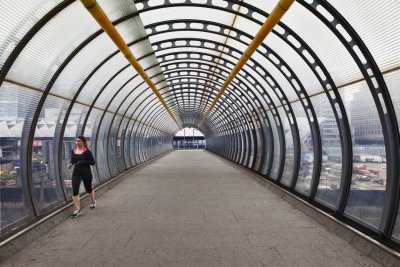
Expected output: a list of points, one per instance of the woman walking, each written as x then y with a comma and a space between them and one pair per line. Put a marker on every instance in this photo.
82, 158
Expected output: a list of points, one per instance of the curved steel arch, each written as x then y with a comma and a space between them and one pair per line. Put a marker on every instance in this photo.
326, 82
276, 115
128, 107
221, 115
8, 65
115, 113
391, 201
266, 127
376, 85
166, 98
239, 98
294, 81
283, 99
216, 120
381, 96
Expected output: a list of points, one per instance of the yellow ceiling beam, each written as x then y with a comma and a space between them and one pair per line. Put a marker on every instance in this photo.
98, 14
273, 19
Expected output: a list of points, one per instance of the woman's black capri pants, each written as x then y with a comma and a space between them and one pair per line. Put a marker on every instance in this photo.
76, 182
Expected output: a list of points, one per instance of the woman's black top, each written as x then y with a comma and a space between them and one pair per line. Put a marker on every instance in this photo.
82, 163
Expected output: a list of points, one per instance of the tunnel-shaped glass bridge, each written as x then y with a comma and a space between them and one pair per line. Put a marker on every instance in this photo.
305, 94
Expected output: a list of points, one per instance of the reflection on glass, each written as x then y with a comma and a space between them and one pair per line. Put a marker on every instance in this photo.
120, 145
277, 151
15, 102
13, 206
112, 150
128, 145
266, 149
91, 127
306, 169
132, 142
289, 159
46, 186
392, 81
331, 169
259, 135
365, 201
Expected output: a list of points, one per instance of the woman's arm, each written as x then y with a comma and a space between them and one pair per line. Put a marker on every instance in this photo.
72, 161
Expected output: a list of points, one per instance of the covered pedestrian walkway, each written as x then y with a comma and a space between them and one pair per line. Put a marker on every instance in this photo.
303, 93
191, 208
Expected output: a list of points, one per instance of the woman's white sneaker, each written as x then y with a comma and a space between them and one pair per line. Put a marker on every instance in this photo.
93, 205
76, 214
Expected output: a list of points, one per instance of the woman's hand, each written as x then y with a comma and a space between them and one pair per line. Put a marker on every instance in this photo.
69, 166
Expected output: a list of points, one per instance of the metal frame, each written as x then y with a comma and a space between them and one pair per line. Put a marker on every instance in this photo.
239, 128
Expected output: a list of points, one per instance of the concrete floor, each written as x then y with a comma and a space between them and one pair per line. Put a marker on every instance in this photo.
190, 208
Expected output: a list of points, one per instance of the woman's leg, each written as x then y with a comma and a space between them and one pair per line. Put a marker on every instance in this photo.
77, 202
76, 181
92, 197
87, 182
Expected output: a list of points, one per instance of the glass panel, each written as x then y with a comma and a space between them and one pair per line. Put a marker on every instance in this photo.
276, 74
127, 145
17, 18
133, 142
48, 49
306, 170
331, 171
289, 159
112, 146
79, 68
247, 26
277, 149
382, 40
243, 148
266, 148
139, 143
15, 106
127, 102
101, 77
132, 29
107, 95
145, 143
250, 146
117, 9
120, 148
393, 81
152, 108
368, 184
265, 87
101, 147
47, 187
259, 147
90, 134
327, 47
138, 106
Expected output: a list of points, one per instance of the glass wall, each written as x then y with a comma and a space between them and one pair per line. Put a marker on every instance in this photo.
14, 109
367, 191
